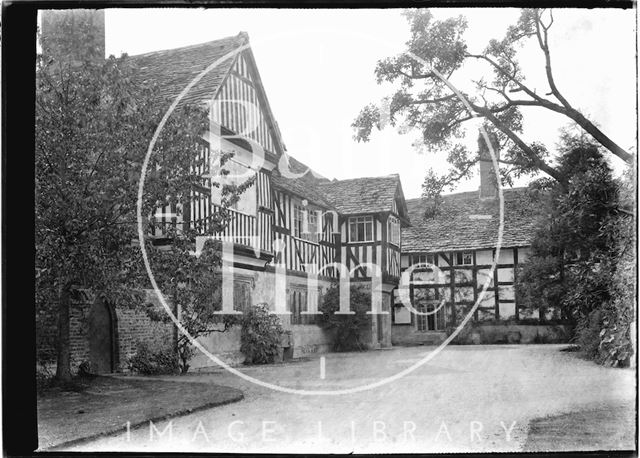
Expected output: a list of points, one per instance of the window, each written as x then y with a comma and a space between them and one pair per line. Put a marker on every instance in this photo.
361, 229
426, 300
464, 258
238, 175
312, 226
422, 259
298, 302
299, 230
297, 220
242, 295
394, 230
432, 322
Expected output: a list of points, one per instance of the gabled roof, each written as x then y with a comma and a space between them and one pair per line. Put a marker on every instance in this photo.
465, 222
363, 195
306, 186
173, 69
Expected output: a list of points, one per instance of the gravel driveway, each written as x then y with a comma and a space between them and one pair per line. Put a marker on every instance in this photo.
468, 398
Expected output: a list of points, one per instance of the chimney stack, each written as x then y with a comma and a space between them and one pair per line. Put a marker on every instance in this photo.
73, 35
488, 184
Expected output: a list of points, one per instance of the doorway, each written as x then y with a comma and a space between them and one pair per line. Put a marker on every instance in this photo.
102, 338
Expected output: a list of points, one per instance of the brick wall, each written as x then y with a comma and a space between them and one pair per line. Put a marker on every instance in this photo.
133, 325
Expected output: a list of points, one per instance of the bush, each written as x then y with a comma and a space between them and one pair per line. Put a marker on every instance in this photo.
45, 378
260, 335
149, 362
348, 330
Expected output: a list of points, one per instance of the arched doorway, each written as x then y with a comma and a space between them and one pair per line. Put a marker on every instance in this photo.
103, 340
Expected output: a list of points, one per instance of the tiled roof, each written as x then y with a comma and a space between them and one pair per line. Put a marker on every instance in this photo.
362, 195
306, 186
466, 222
174, 69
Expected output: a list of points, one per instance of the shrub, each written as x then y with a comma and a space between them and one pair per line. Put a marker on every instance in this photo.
45, 378
260, 335
149, 362
348, 330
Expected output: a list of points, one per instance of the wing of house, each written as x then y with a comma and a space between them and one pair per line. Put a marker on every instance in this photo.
463, 241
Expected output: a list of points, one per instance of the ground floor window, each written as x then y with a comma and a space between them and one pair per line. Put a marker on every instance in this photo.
432, 322
298, 302
242, 295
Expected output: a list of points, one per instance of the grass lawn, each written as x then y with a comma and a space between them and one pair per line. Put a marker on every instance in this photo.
103, 405
605, 428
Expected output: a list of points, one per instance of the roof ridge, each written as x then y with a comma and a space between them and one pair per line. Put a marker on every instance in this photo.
240, 37
415, 199
392, 175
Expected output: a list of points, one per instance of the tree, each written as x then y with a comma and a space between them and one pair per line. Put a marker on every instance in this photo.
348, 330
94, 122
193, 285
574, 256
425, 102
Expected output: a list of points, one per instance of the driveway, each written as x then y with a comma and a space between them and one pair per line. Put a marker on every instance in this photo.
467, 398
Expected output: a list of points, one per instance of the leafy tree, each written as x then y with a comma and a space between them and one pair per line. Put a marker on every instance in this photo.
348, 330
193, 286
425, 102
94, 121
576, 252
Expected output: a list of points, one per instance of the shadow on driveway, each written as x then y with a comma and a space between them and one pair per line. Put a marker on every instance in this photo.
105, 405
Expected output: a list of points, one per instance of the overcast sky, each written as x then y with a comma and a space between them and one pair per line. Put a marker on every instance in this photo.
317, 69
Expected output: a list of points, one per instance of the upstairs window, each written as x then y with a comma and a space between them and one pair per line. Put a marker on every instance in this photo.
464, 258
361, 229
312, 225
422, 259
238, 175
394, 230
310, 232
298, 215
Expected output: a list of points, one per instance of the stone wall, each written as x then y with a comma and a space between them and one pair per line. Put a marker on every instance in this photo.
408, 335
305, 338
509, 333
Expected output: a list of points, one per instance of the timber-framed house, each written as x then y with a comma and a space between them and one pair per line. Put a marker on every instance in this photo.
295, 222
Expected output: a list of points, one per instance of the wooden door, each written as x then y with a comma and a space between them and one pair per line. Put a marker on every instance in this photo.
101, 338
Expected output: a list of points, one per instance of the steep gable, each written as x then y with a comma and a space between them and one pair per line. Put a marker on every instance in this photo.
241, 106
173, 69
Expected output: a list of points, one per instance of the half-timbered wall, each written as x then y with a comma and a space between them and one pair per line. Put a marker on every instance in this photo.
297, 253
238, 106
251, 230
463, 275
378, 251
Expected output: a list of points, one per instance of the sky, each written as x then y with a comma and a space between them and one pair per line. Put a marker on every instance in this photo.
317, 69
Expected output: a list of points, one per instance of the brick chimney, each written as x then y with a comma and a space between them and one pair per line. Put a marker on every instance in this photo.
488, 184
73, 35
